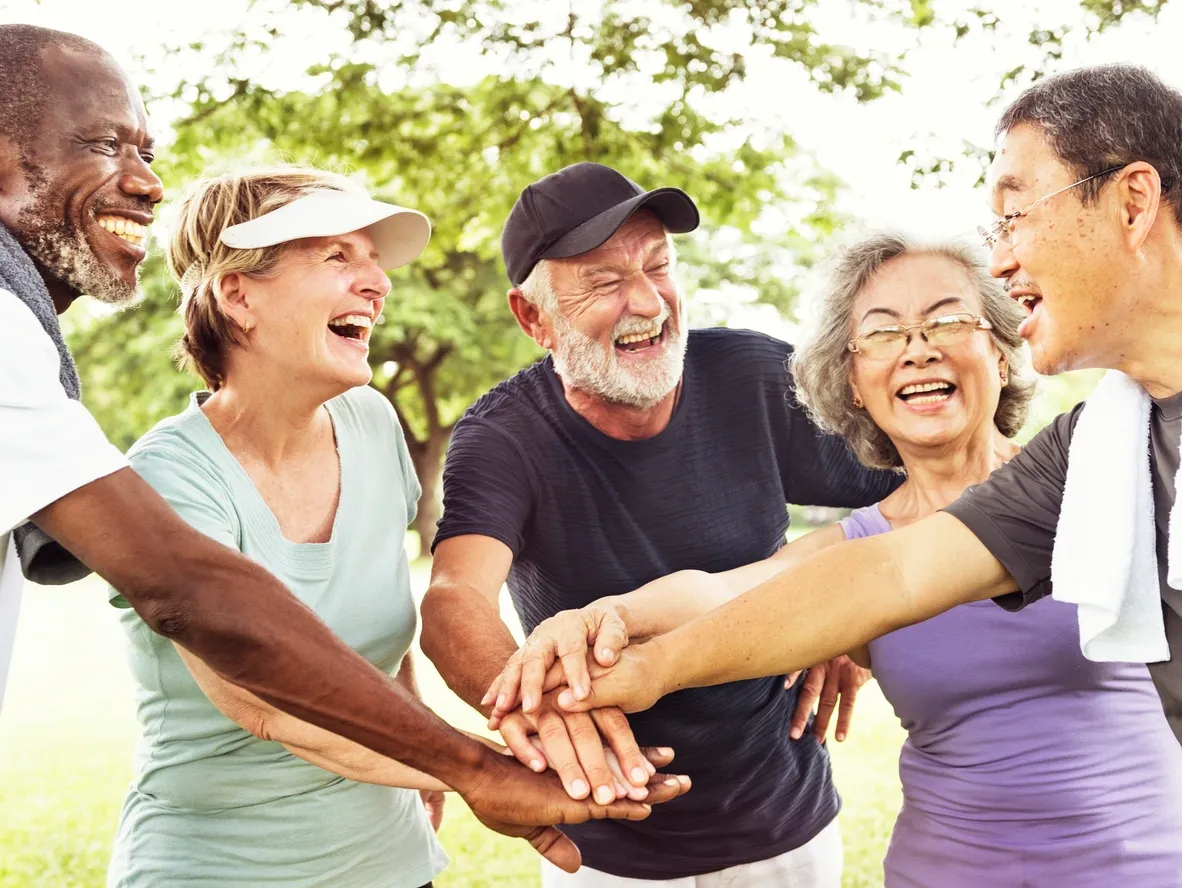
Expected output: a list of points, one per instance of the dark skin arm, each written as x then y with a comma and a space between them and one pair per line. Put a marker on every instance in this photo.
246, 626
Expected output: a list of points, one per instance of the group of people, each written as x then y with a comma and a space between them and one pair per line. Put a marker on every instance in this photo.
630, 490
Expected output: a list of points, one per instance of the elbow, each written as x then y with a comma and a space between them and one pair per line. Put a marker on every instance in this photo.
431, 638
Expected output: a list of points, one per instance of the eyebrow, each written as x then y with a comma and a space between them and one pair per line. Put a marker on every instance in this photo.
935, 306
1008, 182
125, 132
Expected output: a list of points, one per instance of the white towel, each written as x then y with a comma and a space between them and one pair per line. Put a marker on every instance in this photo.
1105, 558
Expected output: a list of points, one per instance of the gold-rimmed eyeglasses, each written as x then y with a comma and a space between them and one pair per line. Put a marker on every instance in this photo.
888, 343
1003, 229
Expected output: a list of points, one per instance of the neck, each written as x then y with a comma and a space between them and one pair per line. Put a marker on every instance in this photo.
266, 422
620, 421
62, 294
937, 476
1152, 352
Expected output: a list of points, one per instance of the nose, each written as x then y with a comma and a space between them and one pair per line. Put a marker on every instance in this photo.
372, 282
1002, 262
139, 181
644, 299
919, 352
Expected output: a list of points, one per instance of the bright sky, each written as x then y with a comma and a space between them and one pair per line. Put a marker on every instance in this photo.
944, 100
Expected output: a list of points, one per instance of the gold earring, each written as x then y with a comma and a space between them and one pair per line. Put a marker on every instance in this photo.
246, 327
1005, 377
858, 402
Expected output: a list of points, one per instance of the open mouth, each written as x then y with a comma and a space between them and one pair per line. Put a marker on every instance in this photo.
354, 327
1028, 301
123, 228
926, 392
640, 340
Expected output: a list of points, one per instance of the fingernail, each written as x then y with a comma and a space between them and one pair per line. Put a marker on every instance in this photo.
538, 765
650, 767
581, 691
639, 776
606, 655
683, 780
578, 789
621, 790
671, 781
840, 736
664, 750
566, 699
604, 795
794, 733
528, 704
502, 700
486, 699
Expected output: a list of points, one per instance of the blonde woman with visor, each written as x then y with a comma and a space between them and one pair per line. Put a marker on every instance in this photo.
291, 458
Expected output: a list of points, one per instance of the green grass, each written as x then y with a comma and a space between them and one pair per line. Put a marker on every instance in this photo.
68, 726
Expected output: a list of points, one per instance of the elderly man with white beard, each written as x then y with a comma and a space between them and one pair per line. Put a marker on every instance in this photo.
638, 448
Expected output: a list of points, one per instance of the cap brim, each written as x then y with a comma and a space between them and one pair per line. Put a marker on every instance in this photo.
399, 234
672, 206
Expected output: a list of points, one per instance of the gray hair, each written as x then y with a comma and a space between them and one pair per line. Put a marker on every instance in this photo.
1106, 116
821, 364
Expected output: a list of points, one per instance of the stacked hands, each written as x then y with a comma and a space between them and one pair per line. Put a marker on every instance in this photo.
560, 703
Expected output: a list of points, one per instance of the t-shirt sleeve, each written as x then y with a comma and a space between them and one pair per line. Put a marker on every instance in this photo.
1016, 511
486, 486
191, 491
50, 445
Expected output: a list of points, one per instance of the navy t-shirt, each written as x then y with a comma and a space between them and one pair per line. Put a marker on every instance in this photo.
586, 515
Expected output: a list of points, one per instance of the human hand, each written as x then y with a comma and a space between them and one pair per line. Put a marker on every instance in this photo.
563, 638
830, 685
433, 802
573, 745
515, 802
636, 681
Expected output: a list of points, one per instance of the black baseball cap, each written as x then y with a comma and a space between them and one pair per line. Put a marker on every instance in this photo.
577, 209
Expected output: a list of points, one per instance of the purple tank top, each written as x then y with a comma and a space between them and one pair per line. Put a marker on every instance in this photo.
1025, 763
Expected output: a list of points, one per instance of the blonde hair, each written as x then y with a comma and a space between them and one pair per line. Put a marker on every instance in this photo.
199, 260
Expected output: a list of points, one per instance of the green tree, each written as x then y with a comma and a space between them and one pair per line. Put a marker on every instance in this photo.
636, 97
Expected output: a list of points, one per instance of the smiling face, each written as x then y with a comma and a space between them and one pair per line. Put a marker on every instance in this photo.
310, 322
927, 396
616, 331
1066, 263
82, 194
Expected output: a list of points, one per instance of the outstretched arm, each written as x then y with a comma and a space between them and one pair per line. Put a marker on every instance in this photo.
832, 602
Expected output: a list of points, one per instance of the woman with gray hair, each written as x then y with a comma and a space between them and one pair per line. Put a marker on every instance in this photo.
1012, 774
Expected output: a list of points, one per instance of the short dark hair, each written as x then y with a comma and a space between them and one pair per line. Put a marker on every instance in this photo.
1104, 116
24, 92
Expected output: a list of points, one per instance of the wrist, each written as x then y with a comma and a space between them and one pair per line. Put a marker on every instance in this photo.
661, 654
473, 765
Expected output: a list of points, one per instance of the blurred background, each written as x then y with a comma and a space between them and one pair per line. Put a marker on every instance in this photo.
792, 123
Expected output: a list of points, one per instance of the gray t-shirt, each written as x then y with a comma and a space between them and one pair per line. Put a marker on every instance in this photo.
1016, 512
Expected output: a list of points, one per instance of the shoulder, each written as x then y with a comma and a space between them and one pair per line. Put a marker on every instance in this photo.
25, 347
174, 453
1054, 440
370, 409
738, 343
525, 393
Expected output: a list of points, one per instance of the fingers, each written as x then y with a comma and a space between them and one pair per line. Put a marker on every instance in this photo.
564, 759
613, 725
827, 702
572, 653
611, 637
810, 692
515, 733
790, 679
588, 749
537, 657
849, 695
658, 756
556, 848
667, 786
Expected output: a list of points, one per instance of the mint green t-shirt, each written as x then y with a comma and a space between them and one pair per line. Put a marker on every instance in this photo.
210, 804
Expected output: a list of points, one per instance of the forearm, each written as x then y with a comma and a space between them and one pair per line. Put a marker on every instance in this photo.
831, 603
247, 627
464, 636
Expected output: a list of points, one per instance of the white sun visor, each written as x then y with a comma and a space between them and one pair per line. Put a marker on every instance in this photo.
398, 234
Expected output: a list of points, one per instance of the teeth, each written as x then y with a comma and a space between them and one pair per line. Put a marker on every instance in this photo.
928, 399
924, 387
638, 337
351, 321
128, 229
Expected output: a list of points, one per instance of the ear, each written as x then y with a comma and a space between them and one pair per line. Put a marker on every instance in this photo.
854, 393
233, 300
1139, 191
531, 319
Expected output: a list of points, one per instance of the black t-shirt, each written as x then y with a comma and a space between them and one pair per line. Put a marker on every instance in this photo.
1015, 514
587, 515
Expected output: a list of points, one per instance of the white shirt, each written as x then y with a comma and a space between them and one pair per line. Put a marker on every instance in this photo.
49, 446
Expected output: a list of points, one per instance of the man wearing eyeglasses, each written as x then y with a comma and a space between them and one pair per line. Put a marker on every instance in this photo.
1089, 241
